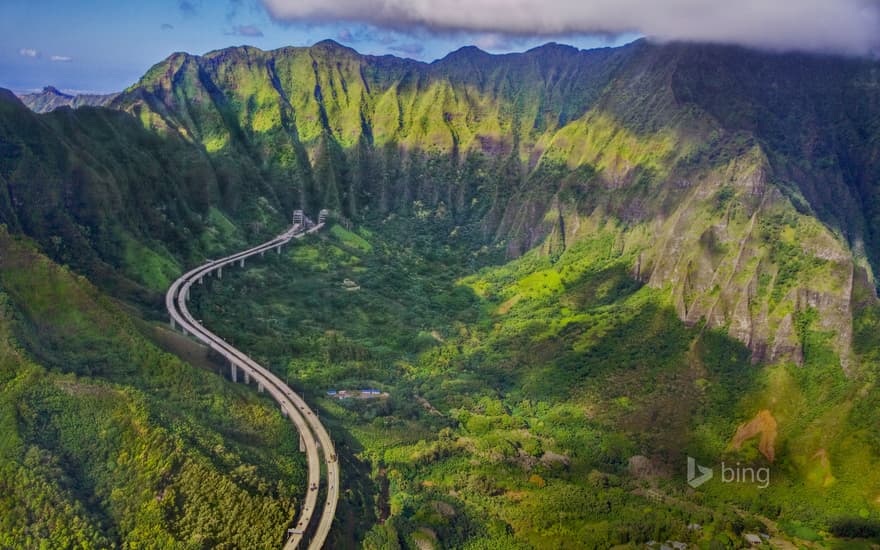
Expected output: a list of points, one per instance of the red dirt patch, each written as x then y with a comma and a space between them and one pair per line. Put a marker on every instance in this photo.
504, 308
763, 424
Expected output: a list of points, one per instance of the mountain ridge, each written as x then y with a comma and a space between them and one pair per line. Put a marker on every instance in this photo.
588, 264
51, 98
633, 130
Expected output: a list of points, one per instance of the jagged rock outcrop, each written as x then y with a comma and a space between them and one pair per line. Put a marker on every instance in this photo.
50, 98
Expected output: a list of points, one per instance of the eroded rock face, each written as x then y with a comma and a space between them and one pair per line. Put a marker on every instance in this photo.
785, 343
751, 266
641, 138
50, 98
748, 273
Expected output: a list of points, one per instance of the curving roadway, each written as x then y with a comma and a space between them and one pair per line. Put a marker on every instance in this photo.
312, 432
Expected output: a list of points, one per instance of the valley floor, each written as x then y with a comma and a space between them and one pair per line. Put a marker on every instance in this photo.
544, 403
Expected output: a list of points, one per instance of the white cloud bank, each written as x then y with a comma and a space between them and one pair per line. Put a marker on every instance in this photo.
841, 26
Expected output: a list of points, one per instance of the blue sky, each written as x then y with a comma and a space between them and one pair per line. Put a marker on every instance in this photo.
106, 45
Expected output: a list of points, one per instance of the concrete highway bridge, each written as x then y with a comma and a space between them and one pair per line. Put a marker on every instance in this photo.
314, 438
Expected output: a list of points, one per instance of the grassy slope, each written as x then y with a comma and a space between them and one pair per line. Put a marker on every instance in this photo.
100, 193
110, 441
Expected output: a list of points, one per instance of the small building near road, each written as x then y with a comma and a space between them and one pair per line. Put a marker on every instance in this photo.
350, 285
368, 393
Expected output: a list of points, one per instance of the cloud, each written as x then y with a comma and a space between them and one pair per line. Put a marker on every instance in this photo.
496, 41
167, 27
61, 59
232, 9
358, 34
843, 26
368, 34
245, 30
411, 48
189, 8
28, 52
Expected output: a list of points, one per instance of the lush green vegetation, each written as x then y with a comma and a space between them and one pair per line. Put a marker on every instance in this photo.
524, 398
569, 269
109, 441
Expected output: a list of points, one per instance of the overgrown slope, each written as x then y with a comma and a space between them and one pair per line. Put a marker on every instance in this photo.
693, 236
110, 442
120, 203
747, 205
516, 391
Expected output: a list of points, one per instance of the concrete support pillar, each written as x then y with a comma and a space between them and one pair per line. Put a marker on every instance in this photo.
242, 262
219, 272
247, 377
201, 280
262, 252
278, 249
260, 387
234, 372
173, 324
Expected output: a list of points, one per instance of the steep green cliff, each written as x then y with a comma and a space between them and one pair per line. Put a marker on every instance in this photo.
109, 441
660, 206
744, 180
